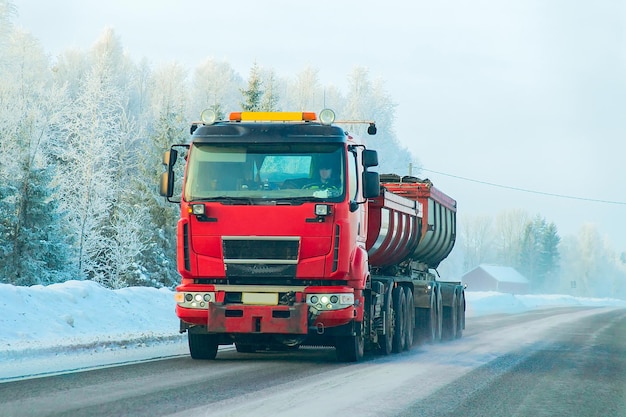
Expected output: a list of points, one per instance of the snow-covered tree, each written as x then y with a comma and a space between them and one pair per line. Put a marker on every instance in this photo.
33, 244
369, 101
271, 95
169, 104
215, 85
509, 227
94, 151
476, 241
304, 93
539, 258
253, 93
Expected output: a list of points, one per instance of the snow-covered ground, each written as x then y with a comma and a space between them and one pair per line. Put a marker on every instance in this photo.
80, 324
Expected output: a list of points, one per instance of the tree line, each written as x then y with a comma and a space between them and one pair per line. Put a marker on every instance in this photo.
81, 140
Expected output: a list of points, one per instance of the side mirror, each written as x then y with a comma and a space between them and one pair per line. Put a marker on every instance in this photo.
370, 158
166, 184
371, 184
170, 157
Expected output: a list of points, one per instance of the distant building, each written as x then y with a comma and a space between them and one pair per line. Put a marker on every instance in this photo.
496, 278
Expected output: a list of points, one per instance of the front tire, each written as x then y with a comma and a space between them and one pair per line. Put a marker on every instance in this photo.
202, 346
350, 348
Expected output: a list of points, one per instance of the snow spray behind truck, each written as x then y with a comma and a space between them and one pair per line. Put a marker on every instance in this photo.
287, 237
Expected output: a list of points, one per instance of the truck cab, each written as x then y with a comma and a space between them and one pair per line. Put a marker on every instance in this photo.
272, 232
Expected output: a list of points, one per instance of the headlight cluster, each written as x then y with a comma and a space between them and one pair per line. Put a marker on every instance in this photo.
330, 301
194, 299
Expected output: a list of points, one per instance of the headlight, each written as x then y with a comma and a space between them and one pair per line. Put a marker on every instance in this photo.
199, 300
330, 301
197, 209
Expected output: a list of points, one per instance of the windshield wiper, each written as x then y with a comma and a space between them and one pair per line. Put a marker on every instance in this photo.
227, 200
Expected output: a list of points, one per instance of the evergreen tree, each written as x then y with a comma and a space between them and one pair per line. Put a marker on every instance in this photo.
539, 254
33, 244
253, 94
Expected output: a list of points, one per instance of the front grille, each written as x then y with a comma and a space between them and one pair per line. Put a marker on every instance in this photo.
260, 256
265, 249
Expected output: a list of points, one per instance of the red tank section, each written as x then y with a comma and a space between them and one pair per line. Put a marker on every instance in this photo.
410, 220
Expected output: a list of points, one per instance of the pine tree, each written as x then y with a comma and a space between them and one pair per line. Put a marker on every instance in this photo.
539, 255
33, 244
253, 94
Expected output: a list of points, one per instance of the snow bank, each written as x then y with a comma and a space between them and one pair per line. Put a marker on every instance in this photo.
480, 303
81, 314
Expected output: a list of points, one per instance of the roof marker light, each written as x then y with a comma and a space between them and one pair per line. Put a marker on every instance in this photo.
254, 116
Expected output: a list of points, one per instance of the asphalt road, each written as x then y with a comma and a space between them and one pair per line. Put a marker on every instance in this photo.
558, 362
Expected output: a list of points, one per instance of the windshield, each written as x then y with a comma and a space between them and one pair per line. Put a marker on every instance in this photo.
265, 171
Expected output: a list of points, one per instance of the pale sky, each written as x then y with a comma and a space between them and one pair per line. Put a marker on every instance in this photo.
528, 94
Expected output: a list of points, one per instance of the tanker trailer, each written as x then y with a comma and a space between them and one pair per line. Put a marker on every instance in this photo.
412, 228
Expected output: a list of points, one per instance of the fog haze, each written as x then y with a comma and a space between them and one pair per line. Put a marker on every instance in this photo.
525, 94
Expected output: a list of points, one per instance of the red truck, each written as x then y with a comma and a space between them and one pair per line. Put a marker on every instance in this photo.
287, 237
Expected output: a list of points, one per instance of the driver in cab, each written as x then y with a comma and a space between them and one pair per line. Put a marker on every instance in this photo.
327, 180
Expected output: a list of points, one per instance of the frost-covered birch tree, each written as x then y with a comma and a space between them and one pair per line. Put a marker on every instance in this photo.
369, 101
93, 155
168, 125
215, 85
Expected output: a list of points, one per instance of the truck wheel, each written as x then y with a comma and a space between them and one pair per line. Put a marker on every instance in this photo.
350, 348
386, 342
460, 321
202, 346
450, 316
410, 318
399, 306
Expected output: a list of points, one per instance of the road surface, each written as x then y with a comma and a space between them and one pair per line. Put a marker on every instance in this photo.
556, 362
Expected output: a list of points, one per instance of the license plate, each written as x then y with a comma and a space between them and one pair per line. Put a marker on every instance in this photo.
260, 298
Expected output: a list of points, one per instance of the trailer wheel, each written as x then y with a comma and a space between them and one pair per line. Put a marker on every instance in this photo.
460, 321
429, 321
400, 324
410, 318
350, 348
450, 319
202, 345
